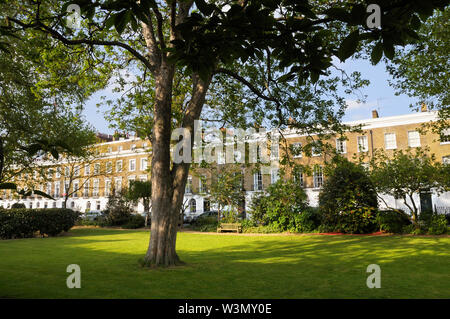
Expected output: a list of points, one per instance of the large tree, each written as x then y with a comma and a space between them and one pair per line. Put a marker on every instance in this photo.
294, 41
422, 71
404, 174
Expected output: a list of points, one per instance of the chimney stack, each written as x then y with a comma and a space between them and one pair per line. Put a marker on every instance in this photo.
423, 108
374, 114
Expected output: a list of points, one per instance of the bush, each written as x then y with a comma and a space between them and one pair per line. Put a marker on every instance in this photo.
437, 225
118, 210
267, 229
348, 199
392, 221
360, 220
279, 206
205, 224
136, 221
18, 205
24, 223
308, 220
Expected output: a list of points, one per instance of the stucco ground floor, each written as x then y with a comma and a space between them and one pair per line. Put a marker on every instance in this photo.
196, 204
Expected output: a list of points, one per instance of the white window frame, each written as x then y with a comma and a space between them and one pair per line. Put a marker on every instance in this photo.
188, 189
446, 135
86, 189
75, 188
87, 169
274, 151
96, 187
390, 144
257, 181
107, 187
109, 167
132, 165
318, 177
144, 163
414, 141
341, 146
274, 176
97, 168
362, 143
119, 168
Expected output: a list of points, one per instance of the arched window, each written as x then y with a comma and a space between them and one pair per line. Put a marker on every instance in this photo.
192, 206
88, 206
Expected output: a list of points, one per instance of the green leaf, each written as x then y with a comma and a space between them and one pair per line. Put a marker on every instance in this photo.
204, 7
339, 14
121, 20
388, 49
348, 46
377, 53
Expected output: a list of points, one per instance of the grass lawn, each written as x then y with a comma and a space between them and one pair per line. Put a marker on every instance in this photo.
226, 266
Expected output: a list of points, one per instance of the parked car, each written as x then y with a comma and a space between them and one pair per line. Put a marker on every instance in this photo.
91, 215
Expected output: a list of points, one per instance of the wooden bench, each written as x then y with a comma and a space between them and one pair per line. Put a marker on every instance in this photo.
234, 227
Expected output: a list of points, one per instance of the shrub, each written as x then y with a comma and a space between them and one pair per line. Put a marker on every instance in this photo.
24, 223
118, 209
267, 229
308, 220
392, 221
437, 225
136, 221
279, 206
348, 199
205, 224
360, 220
18, 205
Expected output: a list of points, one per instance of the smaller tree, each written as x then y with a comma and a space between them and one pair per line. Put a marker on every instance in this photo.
226, 188
141, 190
280, 206
118, 208
406, 173
348, 199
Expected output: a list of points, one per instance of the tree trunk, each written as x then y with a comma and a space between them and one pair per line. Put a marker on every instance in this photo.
168, 184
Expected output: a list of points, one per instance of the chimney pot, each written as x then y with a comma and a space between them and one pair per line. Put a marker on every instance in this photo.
374, 114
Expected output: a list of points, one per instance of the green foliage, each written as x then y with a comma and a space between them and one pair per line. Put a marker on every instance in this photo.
406, 173
18, 205
135, 221
229, 216
437, 225
226, 187
348, 195
280, 206
24, 223
361, 220
308, 220
266, 229
118, 210
392, 221
206, 224
427, 57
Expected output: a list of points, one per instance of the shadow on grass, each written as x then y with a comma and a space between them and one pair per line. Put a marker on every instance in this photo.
227, 267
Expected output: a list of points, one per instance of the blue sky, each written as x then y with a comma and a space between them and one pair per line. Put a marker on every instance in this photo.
380, 96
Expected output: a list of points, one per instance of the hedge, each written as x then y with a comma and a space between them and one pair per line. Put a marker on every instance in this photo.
24, 223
